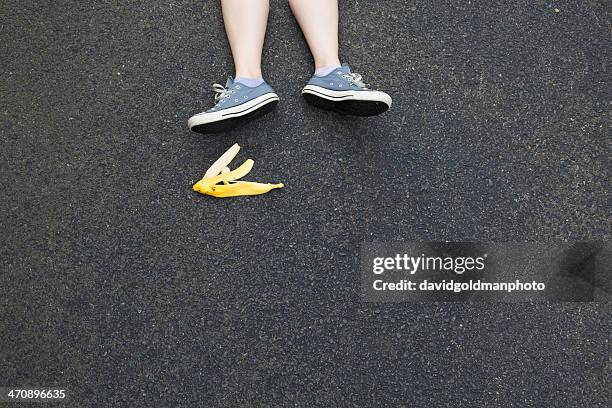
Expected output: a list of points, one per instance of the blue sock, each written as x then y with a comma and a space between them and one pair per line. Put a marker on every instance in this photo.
250, 82
321, 72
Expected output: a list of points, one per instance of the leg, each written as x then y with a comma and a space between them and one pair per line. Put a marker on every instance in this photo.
333, 86
245, 24
246, 96
318, 20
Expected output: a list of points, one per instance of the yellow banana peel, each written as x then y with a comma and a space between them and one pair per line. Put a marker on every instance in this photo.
219, 172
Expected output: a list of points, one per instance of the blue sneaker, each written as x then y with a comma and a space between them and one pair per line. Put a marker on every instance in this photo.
344, 92
236, 103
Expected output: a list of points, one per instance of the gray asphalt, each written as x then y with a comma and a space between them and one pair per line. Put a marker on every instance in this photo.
126, 288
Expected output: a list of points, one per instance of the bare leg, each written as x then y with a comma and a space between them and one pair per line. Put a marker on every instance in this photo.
318, 20
245, 25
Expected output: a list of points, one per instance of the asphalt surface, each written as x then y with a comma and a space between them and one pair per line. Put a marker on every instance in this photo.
121, 285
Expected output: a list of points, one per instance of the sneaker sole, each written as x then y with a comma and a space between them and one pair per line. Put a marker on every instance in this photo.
230, 118
356, 103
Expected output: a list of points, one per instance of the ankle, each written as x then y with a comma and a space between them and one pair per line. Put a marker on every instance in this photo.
324, 71
326, 63
248, 73
250, 82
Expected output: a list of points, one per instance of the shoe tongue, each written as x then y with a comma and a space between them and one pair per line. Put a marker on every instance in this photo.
229, 82
345, 68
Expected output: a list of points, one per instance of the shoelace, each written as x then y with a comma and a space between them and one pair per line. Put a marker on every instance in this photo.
221, 92
355, 79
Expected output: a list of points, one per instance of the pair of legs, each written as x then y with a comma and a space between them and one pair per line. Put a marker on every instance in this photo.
246, 21
247, 96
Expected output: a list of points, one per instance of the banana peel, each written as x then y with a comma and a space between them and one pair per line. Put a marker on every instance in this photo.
220, 181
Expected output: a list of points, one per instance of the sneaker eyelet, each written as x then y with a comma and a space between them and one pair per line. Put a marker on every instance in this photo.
237, 86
